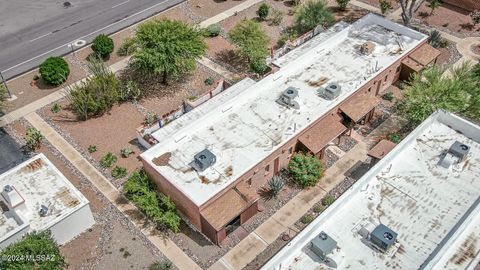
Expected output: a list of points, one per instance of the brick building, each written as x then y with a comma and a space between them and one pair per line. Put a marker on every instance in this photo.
468, 5
212, 160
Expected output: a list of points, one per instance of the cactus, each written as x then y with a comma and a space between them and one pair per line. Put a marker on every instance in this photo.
276, 185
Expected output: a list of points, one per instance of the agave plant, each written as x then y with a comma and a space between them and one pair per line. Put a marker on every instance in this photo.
276, 185
436, 39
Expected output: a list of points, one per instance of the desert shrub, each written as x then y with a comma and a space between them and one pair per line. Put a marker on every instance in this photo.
394, 137
55, 108
33, 138
108, 160
388, 96
159, 208
54, 70
306, 170
475, 16
102, 45
277, 16
128, 47
209, 81
342, 4
327, 200
436, 40
37, 245
161, 265
385, 6
212, 30
276, 185
119, 172
3, 96
125, 152
307, 218
263, 11
95, 95
129, 91
92, 149
318, 208
311, 14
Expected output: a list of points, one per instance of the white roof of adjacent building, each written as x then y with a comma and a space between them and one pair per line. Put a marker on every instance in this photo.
249, 126
434, 210
28, 186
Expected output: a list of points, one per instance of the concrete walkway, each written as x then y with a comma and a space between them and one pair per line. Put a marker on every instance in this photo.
167, 247
365, 6
229, 12
285, 218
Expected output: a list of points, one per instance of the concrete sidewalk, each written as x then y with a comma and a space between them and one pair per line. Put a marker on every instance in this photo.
229, 12
285, 218
165, 245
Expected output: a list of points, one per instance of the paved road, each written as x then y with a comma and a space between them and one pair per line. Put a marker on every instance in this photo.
31, 30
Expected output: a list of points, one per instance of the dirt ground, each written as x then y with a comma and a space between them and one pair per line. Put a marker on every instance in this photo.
376, 3
109, 133
448, 18
95, 248
208, 8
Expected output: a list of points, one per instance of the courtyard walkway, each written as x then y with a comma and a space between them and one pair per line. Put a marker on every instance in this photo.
165, 245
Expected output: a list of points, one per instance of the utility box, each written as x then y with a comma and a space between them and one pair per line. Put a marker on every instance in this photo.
383, 237
322, 245
203, 160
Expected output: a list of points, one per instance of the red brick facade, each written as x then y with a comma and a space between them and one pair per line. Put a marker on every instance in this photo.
468, 5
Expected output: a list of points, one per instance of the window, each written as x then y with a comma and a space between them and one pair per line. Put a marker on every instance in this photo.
386, 77
369, 89
249, 182
267, 169
290, 150
398, 69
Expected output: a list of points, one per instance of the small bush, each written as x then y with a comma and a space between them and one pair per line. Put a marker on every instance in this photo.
394, 137
192, 98
306, 170
342, 4
307, 218
92, 149
129, 91
388, 96
55, 108
475, 16
33, 138
277, 16
143, 193
213, 30
119, 172
128, 47
102, 46
263, 11
161, 265
209, 81
125, 152
327, 200
385, 6
54, 70
436, 40
36, 77
108, 160
276, 185
318, 208
150, 118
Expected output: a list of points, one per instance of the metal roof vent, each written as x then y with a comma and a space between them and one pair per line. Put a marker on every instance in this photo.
288, 98
383, 237
43, 210
332, 91
7, 188
203, 160
322, 245
459, 150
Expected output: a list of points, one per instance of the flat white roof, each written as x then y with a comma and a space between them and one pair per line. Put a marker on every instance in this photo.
38, 182
247, 128
435, 211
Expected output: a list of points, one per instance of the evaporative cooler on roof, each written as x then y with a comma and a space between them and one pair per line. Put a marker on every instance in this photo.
203, 160
383, 237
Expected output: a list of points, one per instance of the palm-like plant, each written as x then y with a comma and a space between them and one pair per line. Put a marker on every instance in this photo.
311, 14
276, 185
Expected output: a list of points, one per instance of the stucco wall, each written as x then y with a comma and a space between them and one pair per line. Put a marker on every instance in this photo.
72, 225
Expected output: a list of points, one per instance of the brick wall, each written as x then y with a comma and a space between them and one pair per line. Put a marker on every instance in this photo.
468, 5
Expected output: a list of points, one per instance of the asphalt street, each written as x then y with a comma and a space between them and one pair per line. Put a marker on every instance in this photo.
32, 30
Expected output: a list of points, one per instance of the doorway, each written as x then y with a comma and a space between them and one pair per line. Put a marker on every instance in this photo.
232, 225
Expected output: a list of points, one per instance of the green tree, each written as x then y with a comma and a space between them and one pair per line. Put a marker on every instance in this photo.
54, 70
458, 92
342, 4
409, 7
167, 48
36, 245
97, 94
252, 43
311, 14
385, 6
434, 4
263, 11
102, 46
306, 170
